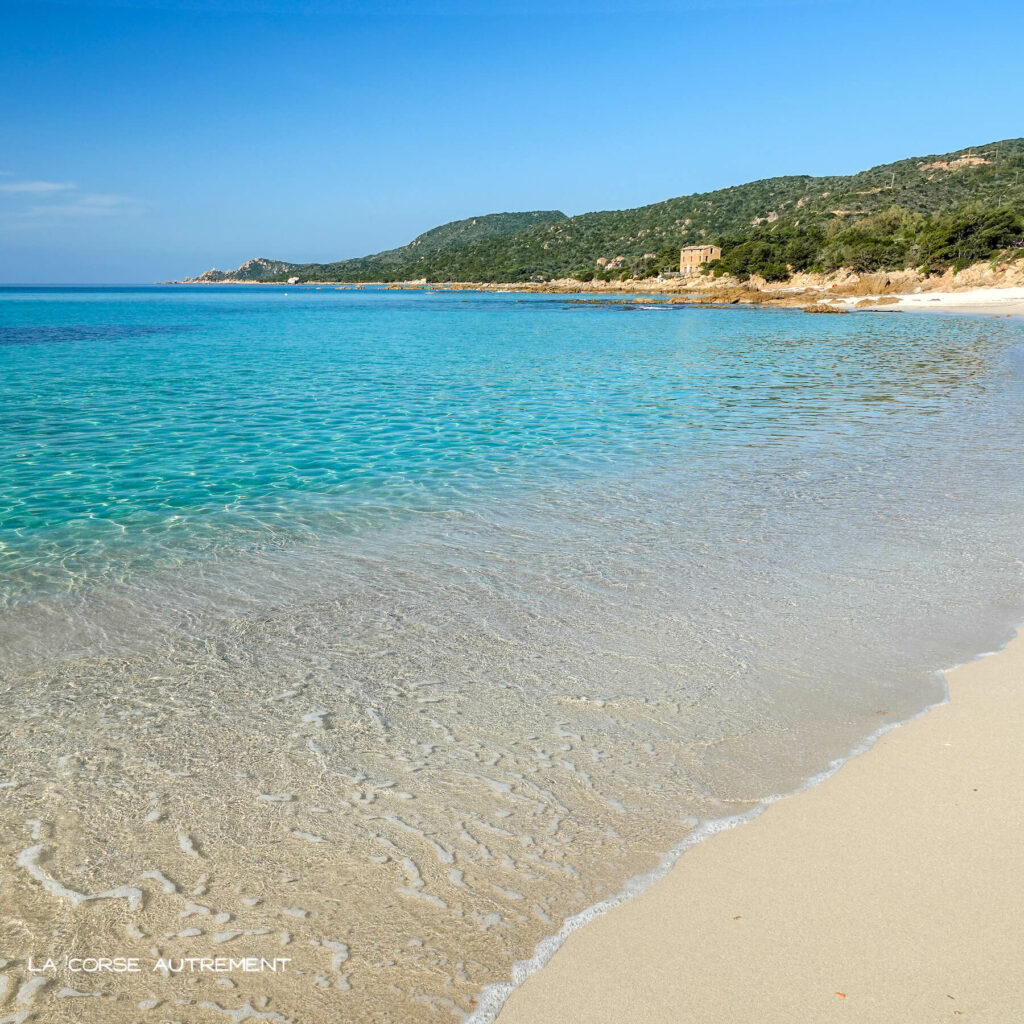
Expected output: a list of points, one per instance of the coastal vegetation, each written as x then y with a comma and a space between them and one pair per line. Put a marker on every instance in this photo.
931, 213
893, 239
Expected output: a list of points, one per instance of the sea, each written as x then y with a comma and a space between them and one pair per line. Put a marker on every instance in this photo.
356, 644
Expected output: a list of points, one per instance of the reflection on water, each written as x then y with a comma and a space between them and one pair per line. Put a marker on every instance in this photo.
383, 632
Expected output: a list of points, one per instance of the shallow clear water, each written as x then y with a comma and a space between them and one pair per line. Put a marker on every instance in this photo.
427, 620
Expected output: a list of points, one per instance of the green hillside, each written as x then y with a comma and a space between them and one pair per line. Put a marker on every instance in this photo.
459, 233
433, 248
932, 211
434, 245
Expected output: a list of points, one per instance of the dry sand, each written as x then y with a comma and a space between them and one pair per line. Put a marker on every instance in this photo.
893, 893
998, 301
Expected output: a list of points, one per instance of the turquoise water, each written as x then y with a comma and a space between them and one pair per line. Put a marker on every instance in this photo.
437, 616
147, 427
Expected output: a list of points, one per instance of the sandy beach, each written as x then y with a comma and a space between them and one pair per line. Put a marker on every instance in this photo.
890, 892
1005, 301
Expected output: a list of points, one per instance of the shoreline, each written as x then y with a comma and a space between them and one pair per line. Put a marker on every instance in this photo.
870, 293
880, 890
1007, 301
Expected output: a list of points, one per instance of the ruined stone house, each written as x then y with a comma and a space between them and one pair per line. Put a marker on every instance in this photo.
691, 257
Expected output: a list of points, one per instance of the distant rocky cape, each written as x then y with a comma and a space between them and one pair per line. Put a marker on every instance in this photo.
813, 213
392, 264
258, 269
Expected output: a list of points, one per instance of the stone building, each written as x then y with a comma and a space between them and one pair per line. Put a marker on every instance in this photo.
691, 257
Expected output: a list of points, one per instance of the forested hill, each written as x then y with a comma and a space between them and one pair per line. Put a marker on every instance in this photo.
928, 211
436, 244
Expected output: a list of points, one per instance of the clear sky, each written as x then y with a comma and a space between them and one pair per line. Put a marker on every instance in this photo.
144, 140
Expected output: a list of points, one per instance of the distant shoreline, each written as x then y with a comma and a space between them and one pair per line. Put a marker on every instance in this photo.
903, 291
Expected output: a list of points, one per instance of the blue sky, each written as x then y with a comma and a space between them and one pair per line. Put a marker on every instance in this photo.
142, 141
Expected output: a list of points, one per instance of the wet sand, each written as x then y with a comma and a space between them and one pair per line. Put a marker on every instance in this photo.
891, 892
